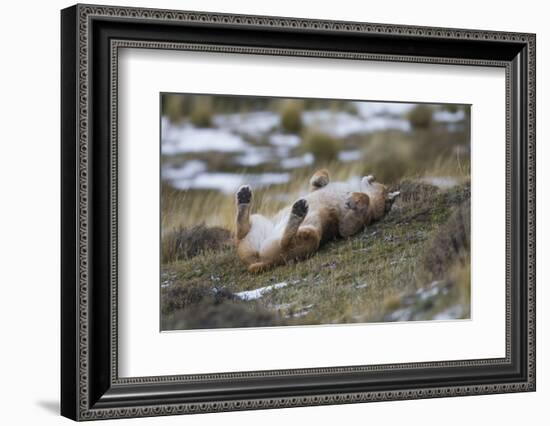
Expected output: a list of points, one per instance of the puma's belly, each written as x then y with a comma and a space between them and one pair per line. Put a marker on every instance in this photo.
333, 196
325, 206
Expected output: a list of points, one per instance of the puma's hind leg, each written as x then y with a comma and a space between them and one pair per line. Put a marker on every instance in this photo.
319, 179
305, 243
299, 240
244, 201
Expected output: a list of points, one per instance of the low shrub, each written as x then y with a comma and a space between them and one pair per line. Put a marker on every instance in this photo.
451, 244
323, 146
173, 107
291, 116
184, 243
201, 115
420, 116
389, 157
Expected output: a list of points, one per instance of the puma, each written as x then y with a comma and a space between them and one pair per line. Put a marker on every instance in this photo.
331, 210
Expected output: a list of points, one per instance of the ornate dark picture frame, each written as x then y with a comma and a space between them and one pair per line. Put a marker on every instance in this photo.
90, 38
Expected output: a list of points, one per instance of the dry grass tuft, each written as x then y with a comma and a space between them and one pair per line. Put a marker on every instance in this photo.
322, 146
451, 244
173, 108
184, 243
421, 116
201, 115
414, 193
291, 116
388, 155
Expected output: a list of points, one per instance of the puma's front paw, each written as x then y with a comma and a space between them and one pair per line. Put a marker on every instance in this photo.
357, 200
300, 208
350, 204
244, 194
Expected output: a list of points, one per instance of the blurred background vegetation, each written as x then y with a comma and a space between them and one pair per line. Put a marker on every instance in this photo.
210, 145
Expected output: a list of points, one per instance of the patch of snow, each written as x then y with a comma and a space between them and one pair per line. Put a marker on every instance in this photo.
444, 116
282, 306
186, 138
442, 182
404, 314
436, 283
253, 123
429, 294
295, 162
303, 312
230, 182
343, 124
369, 109
164, 124
349, 155
290, 141
188, 170
259, 292
254, 157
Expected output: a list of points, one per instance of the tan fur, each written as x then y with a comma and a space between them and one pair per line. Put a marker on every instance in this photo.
329, 211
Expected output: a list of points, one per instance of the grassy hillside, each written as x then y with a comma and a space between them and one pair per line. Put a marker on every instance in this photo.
412, 265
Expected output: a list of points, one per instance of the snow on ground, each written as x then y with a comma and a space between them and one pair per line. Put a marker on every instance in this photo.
259, 292
230, 182
186, 138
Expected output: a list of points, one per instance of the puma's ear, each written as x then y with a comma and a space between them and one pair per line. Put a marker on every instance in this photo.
393, 195
390, 199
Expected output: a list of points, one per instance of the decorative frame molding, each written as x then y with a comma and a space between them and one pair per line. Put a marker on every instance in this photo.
91, 388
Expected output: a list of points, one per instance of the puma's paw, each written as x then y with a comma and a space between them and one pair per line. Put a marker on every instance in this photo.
300, 208
244, 194
368, 180
350, 204
320, 179
357, 201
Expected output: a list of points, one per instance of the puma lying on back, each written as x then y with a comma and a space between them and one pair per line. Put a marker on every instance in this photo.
331, 210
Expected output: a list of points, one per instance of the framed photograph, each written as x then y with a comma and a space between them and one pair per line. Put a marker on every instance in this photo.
263, 212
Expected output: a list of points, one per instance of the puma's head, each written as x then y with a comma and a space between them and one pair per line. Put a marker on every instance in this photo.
381, 198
